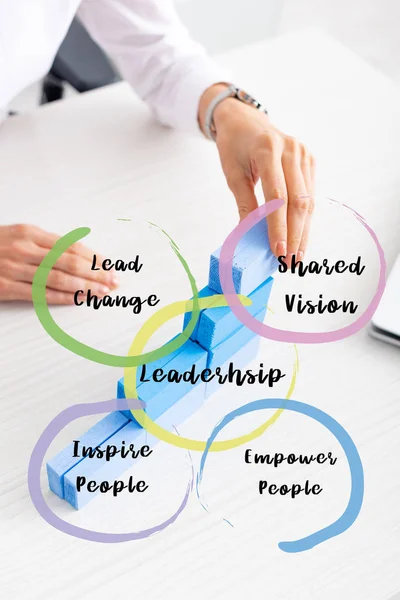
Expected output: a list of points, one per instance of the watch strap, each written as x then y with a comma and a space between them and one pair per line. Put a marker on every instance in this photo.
230, 92
209, 127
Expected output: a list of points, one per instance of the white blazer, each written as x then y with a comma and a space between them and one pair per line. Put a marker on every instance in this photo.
145, 38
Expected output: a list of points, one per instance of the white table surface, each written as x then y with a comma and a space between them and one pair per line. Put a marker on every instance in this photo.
99, 157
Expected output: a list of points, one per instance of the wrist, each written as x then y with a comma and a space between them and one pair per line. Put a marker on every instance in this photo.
209, 94
222, 105
228, 110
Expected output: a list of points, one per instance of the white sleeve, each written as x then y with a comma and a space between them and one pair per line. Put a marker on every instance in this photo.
155, 54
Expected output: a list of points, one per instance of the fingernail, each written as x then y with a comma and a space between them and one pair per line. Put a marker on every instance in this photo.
114, 281
300, 255
101, 289
280, 249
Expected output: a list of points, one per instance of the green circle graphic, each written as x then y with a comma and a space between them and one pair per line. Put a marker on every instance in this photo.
81, 349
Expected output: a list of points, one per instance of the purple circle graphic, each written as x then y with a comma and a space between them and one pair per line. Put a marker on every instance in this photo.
282, 335
54, 427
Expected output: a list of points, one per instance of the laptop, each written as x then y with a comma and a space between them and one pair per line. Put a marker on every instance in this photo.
385, 324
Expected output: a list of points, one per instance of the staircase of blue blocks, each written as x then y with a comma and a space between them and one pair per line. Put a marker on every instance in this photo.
219, 337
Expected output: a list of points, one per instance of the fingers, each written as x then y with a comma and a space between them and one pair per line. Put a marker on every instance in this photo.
77, 266
298, 197
44, 239
57, 280
287, 170
27, 252
308, 169
22, 249
47, 240
57, 297
29, 233
251, 145
243, 190
17, 290
274, 186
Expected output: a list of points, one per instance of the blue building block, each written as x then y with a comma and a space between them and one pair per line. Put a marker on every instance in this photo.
216, 324
224, 350
160, 396
206, 291
218, 339
160, 363
121, 393
98, 469
253, 262
58, 466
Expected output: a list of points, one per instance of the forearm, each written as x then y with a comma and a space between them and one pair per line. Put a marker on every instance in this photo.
155, 54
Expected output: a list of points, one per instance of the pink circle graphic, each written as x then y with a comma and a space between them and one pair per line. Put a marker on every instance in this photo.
282, 335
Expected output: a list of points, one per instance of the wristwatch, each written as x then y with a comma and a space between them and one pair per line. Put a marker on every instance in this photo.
230, 92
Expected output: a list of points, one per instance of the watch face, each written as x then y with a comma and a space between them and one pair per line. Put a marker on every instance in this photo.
244, 97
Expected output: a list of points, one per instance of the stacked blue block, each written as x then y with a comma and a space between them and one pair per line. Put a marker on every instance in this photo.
253, 262
217, 339
221, 353
160, 396
161, 363
217, 324
100, 469
204, 293
102, 431
219, 331
132, 433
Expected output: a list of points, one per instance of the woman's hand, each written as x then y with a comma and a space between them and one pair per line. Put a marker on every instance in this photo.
251, 148
22, 249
